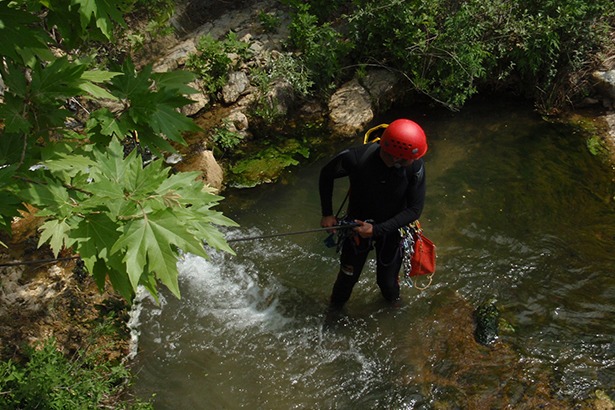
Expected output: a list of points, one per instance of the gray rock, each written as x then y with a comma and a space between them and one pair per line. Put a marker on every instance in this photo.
237, 84
605, 83
383, 87
350, 109
200, 98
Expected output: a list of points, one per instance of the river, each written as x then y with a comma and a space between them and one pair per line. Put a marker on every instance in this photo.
522, 215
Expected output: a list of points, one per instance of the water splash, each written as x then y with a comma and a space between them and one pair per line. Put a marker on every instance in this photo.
230, 292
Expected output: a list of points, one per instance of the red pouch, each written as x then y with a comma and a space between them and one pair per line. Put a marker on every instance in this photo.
424, 256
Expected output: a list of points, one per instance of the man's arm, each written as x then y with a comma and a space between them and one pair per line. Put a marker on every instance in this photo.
336, 168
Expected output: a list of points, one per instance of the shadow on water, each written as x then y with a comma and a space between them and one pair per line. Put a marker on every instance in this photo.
521, 213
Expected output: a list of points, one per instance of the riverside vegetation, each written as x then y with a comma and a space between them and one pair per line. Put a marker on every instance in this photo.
72, 96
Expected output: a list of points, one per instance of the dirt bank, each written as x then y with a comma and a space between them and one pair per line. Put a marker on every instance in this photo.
58, 300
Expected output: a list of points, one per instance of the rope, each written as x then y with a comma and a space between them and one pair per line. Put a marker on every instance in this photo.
37, 261
248, 238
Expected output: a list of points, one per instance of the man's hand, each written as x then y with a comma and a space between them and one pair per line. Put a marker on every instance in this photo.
365, 229
328, 221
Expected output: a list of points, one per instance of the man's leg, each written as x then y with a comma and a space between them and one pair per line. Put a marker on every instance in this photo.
389, 259
352, 260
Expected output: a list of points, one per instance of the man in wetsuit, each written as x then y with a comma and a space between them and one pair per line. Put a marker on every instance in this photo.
387, 192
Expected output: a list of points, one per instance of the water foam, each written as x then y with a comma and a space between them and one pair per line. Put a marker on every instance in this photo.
230, 291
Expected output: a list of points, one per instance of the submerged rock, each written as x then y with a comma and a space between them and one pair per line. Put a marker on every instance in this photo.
449, 370
486, 318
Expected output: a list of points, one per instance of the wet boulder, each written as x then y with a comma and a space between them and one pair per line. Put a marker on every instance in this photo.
486, 321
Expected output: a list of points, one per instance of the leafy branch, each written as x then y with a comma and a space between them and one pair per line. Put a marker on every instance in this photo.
129, 223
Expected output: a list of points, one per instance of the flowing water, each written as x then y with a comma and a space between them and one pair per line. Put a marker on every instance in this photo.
522, 215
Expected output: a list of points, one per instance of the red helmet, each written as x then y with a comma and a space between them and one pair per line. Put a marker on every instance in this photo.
404, 139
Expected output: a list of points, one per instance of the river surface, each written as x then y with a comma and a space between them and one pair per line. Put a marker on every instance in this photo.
522, 216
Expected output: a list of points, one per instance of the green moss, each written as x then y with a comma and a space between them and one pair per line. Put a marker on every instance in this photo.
594, 130
595, 145
266, 165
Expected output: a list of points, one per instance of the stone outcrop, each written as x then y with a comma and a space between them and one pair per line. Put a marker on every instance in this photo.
384, 88
357, 102
605, 85
350, 109
200, 99
237, 85
204, 162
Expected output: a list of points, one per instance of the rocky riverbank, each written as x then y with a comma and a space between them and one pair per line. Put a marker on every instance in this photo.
347, 113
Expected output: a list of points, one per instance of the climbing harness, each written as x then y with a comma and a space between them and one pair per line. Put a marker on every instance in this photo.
337, 238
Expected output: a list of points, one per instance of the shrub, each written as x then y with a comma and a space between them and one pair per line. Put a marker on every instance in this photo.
269, 21
320, 47
212, 62
225, 139
287, 69
49, 380
448, 50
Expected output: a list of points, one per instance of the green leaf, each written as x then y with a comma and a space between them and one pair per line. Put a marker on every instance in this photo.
132, 244
115, 269
12, 114
54, 232
153, 241
69, 164
104, 13
95, 235
151, 110
58, 80
107, 191
14, 80
110, 164
19, 30
145, 180
51, 197
99, 76
213, 238
107, 122
175, 80
9, 202
170, 123
132, 84
96, 91
217, 218
179, 181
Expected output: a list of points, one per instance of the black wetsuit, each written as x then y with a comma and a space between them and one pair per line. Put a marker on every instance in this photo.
390, 197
